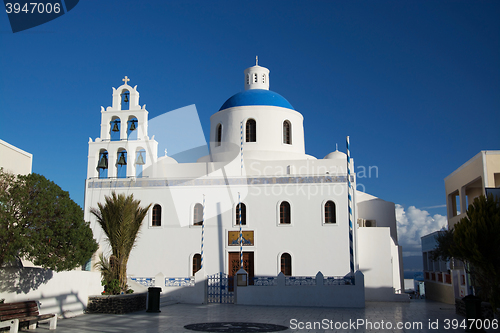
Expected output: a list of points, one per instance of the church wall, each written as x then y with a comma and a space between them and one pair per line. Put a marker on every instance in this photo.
316, 295
269, 126
376, 262
305, 239
383, 212
397, 267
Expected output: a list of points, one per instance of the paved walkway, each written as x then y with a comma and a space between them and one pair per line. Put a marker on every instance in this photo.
415, 316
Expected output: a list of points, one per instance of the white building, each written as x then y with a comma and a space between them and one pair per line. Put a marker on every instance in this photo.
15, 160
478, 176
294, 207
63, 293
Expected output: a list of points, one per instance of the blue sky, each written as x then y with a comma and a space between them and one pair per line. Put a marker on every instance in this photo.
415, 84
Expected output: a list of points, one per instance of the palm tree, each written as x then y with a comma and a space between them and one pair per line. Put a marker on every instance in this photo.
120, 219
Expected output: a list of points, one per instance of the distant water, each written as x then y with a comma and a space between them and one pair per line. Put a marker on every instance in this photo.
414, 275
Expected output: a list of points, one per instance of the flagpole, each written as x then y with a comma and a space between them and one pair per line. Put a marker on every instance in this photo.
349, 190
241, 232
241, 147
202, 231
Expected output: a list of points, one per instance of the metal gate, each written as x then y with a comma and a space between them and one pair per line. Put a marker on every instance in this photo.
218, 288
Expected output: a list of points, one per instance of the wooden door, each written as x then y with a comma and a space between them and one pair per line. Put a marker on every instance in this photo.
234, 266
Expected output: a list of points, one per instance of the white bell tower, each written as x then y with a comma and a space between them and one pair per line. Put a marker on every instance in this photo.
256, 77
123, 149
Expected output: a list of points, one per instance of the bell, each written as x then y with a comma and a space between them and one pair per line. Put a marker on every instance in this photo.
132, 125
140, 160
103, 162
126, 98
121, 160
115, 127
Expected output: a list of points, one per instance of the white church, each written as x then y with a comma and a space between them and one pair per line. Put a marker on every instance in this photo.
291, 209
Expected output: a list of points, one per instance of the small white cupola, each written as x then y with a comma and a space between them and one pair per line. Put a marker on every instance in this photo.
256, 77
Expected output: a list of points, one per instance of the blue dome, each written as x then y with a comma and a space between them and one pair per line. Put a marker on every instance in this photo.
256, 97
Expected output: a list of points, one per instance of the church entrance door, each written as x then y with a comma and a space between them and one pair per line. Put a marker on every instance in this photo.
234, 266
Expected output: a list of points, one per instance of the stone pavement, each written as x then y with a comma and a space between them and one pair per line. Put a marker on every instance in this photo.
415, 316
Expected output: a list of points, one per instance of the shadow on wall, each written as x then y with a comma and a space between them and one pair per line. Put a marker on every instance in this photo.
23, 280
63, 293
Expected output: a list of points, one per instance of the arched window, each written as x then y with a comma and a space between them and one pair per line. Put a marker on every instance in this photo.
251, 130
263, 78
196, 263
243, 214
198, 214
256, 78
248, 78
156, 216
287, 132
284, 213
286, 264
330, 216
218, 135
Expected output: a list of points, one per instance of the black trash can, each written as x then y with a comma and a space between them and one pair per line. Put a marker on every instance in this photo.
473, 311
154, 299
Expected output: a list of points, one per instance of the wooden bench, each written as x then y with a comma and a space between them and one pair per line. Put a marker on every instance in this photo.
14, 314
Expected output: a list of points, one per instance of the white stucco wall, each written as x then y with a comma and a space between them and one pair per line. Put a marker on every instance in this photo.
305, 238
63, 293
15, 160
376, 262
269, 131
319, 295
383, 212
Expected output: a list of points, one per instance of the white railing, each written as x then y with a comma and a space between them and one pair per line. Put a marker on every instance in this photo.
147, 282
169, 282
302, 280
179, 282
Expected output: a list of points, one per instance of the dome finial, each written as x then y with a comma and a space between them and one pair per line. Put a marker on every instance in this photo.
256, 77
336, 147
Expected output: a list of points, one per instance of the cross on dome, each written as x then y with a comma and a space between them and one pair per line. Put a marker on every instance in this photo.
256, 60
126, 79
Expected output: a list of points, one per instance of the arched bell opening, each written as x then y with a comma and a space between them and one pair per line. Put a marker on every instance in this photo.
115, 127
132, 130
121, 163
102, 164
140, 160
125, 100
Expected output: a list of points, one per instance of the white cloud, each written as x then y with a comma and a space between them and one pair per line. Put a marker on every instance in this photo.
414, 223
